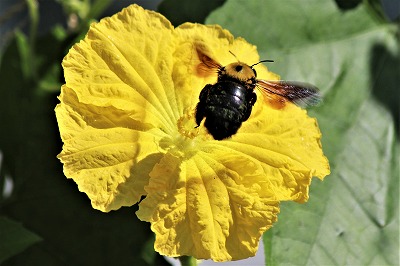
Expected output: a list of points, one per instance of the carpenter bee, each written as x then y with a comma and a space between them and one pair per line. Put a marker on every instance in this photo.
226, 104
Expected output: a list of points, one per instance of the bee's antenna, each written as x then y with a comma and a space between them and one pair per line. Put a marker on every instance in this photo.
267, 60
262, 61
234, 55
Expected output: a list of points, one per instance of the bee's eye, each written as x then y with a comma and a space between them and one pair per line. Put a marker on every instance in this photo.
238, 68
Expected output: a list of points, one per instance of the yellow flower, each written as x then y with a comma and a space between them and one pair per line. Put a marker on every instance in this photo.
126, 118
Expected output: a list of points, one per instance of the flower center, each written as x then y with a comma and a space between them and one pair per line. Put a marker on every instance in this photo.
187, 126
186, 143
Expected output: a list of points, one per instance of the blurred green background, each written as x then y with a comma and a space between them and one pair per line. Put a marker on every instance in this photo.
350, 49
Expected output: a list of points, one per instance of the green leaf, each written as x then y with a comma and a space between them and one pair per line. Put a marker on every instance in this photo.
14, 238
281, 26
353, 57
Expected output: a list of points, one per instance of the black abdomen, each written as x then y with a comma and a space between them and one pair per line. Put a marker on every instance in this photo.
224, 105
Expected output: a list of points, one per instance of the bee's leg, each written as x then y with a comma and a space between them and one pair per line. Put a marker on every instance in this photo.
201, 108
200, 113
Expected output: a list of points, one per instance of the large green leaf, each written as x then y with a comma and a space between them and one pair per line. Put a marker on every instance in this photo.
353, 216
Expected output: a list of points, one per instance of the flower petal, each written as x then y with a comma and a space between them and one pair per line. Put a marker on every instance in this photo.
201, 207
118, 102
286, 143
105, 152
130, 71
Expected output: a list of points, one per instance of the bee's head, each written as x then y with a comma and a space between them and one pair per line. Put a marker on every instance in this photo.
239, 71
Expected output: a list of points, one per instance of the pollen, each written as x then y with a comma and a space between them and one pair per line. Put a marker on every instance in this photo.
186, 142
187, 126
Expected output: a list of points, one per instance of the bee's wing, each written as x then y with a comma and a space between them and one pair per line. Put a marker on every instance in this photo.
277, 93
207, 65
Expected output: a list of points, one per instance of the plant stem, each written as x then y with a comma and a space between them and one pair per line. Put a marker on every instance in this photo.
188, 261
